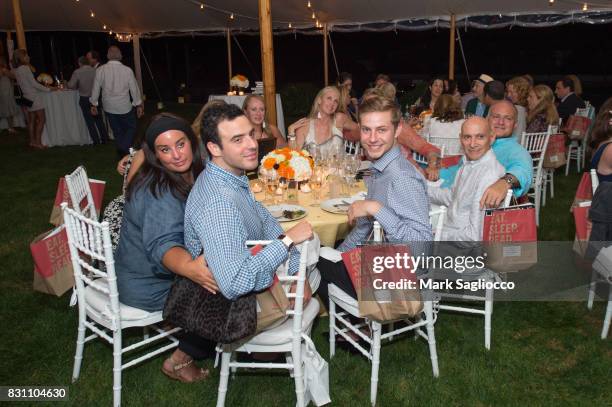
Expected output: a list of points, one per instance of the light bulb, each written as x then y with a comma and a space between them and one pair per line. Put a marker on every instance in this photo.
313, 15
308, 5
232, 16
585, 7
201, 6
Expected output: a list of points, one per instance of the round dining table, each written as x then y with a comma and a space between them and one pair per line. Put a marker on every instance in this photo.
330, 227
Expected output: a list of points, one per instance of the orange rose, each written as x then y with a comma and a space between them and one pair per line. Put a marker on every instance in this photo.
269, 163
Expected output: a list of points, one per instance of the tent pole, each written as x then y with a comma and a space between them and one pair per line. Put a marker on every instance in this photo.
267, 59
325, 56
451, 53
21, 41
137, 68
229, 56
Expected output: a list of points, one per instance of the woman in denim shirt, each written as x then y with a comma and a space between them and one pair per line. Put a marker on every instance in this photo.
151, 249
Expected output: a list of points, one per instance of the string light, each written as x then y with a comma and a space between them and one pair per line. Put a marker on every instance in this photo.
110, 32
289, 25
201, 6
308, 5
92, 14
313, 15
232, 16
585, 7
104, 27
551, 2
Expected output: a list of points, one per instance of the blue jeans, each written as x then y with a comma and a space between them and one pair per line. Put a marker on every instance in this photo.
95, 124
124, 129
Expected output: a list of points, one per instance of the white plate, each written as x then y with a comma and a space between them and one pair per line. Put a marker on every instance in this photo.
277, 212
337, 205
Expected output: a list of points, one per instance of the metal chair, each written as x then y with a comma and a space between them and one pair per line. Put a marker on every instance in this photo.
98, 299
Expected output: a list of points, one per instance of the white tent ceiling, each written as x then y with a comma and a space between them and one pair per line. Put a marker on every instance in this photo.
185, 16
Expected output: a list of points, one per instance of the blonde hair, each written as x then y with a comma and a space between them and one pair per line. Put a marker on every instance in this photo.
377, 103
345, 99
522, 87
545, 106
317, 100
266, 129
388, 90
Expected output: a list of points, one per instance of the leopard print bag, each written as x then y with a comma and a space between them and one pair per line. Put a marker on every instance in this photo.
113, 213
210, 316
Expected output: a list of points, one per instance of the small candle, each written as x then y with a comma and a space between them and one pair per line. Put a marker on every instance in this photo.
229, 93
241, 93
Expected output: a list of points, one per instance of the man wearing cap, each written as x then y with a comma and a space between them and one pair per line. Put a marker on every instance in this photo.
477, 106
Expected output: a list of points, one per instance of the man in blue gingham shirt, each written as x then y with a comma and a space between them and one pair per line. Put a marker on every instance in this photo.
397, 193
221, 213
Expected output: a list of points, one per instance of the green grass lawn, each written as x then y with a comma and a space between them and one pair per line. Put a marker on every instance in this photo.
543, 353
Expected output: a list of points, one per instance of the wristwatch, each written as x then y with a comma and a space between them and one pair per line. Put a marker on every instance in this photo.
287, 241
509, 179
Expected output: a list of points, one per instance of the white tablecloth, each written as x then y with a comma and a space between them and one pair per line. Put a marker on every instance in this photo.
64, 124
239, 100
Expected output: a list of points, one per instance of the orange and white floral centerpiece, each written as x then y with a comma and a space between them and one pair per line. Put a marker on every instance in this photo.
292, 165
289, 164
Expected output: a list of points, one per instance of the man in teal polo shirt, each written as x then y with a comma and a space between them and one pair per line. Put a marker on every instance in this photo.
514, 157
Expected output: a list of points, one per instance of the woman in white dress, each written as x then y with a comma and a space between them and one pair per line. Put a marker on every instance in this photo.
30, 90
445, 125
8, 107
324, 126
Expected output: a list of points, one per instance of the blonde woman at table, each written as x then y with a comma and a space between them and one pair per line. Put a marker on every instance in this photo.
31, 90
255, 110
324, 125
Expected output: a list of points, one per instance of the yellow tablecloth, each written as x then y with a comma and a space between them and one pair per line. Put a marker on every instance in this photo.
329, 226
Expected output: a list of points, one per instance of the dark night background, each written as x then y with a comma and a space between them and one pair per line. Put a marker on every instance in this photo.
407, 56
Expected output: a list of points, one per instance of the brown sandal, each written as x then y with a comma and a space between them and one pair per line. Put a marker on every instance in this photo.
176, 375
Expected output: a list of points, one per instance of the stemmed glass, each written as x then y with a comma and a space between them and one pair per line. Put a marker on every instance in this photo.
270, 180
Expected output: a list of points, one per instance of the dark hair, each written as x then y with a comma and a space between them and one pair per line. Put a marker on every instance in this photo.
426, 98
567, 82
95, 54
383, 76
452, 87
157, 177
495, 90
344, 76
209, 130
602, 129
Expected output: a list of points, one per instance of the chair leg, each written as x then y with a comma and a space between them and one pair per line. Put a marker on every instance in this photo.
537, 204
332, 331
569, 158
544, 184
298, 372
606, 325
488, 313
78, 356
552, 183
431, 337
117, 368
223, 378
592, 289
578, 157
376, 332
